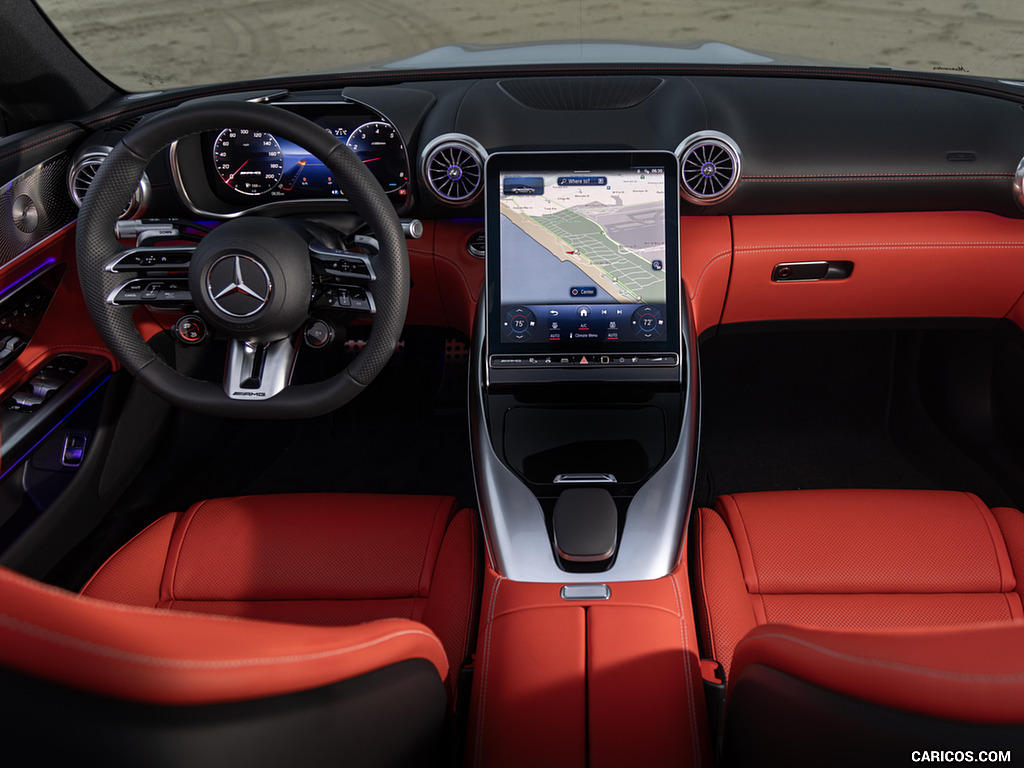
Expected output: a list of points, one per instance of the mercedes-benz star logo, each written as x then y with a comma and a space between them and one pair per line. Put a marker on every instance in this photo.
238, 285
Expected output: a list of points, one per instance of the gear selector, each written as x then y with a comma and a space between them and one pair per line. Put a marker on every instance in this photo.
586, 525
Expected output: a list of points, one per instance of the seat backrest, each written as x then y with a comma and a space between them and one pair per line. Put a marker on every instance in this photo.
854, 560
801, 696
87, 677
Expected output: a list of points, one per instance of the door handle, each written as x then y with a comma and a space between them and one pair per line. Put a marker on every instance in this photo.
810, 271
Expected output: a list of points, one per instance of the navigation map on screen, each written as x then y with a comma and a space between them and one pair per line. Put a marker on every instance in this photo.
578, 245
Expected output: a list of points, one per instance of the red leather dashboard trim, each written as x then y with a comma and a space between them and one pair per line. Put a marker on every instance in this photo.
425, 300
167, 657
944, 264
971, 674
706, 261
460, 275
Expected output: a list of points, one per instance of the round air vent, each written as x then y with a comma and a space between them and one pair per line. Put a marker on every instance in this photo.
1018, 184
709, 167
453, 169
84, 170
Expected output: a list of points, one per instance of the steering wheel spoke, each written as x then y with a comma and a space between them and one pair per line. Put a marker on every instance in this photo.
256, 371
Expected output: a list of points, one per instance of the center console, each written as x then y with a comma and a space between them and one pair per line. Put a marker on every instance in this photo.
583, 408
584, 419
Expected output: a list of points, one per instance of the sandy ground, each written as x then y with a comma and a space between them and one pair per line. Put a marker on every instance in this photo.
144, 44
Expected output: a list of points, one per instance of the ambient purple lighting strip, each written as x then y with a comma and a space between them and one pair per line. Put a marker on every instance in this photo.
7, 290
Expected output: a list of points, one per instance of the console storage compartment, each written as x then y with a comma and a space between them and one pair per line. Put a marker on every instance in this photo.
587, 683
626, 441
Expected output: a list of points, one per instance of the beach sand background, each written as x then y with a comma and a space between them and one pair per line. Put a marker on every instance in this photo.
142, 44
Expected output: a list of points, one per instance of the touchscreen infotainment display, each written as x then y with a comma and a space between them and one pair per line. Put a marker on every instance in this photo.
585, 252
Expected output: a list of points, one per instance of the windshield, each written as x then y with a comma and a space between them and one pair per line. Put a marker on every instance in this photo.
144, 45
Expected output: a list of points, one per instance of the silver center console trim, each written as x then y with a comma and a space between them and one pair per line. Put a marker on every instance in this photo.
515, 530
585, 477
586, 592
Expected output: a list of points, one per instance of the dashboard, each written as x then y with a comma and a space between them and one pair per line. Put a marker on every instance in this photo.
889, 174
777, 145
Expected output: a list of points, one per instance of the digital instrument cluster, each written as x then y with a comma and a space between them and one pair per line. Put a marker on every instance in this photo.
258, 167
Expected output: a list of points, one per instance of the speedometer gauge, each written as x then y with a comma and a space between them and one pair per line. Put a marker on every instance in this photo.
380, 148
248, 161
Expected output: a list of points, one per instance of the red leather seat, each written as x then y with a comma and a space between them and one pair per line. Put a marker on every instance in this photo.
873, 619
347, 615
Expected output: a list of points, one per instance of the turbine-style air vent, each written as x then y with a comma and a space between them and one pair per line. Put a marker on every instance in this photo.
83, 172
453, 168
709, 167
1018, 184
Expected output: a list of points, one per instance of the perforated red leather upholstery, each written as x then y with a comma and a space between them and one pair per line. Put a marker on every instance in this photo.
854, 560
323, 559
165, 657
856, 626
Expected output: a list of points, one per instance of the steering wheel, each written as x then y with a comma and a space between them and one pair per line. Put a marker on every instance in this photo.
251, 279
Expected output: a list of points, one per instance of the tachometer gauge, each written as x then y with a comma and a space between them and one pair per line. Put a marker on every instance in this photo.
248, 161
380, 148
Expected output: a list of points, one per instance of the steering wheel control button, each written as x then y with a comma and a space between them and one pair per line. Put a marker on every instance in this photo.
339, 298
156, 292
190, 329
318, 334
348, 298
154, 259
330, 263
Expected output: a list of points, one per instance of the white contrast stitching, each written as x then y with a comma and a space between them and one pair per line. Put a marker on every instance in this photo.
86, 646
875, 246
876, 177
717, 257
481, 705
686, 673
977, 677
458, 268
